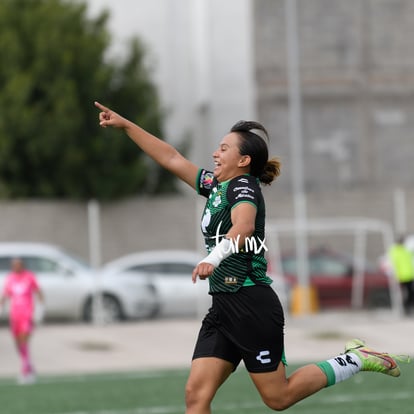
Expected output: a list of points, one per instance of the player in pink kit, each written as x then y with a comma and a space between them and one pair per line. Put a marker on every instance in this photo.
20, 287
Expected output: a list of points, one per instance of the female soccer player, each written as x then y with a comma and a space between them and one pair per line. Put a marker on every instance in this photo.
20, 287
246, 319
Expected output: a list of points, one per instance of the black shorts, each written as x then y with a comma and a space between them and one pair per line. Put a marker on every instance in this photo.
247, 325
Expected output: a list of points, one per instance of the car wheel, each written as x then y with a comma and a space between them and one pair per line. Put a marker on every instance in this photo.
110, 310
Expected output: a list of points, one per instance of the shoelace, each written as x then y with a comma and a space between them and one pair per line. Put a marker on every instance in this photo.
399, 358
406, 359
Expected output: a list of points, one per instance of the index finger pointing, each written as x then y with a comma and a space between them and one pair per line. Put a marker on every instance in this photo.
101, 107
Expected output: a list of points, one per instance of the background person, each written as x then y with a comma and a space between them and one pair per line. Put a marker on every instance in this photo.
402, 263
19, 288
246, 319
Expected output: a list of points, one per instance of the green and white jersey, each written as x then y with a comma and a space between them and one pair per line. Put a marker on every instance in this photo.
247, 265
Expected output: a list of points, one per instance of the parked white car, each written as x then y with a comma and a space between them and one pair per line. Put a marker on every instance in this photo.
168, 272
69, 285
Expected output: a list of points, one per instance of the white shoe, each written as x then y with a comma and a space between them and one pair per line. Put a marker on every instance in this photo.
25, 379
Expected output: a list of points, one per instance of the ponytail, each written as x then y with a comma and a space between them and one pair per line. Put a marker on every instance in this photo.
271, 170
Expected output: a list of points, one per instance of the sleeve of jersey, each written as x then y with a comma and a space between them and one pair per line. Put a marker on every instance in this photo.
243, 190
204, 184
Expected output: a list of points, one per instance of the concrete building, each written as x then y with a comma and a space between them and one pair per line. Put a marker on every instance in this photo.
216, 62
357, 83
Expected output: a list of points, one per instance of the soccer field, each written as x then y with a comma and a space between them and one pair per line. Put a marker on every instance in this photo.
162, 392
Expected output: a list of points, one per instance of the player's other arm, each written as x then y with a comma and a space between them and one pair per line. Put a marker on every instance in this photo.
39, 314
40, 296
243, 218
160, 151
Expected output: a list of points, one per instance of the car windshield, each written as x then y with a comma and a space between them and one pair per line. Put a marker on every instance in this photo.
40, 261
77, 261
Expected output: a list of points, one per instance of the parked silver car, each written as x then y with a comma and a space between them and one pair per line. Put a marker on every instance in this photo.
69, 285
168, 272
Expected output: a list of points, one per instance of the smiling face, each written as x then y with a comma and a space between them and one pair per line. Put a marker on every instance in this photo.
228, 161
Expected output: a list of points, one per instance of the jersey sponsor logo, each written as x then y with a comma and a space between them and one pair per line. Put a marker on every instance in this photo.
244, 192
230, 280
244, 189
243, 180
244, 195
261, 358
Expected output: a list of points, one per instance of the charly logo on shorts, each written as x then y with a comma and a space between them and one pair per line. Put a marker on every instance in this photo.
261, 356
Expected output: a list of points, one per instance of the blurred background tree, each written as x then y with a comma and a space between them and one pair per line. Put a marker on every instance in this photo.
54, 67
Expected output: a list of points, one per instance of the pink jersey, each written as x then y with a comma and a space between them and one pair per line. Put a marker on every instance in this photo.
20, 287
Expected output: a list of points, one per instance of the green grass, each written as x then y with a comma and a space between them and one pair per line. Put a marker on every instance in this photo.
162, 392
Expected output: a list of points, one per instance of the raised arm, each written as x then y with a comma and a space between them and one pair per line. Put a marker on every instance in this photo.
160, 151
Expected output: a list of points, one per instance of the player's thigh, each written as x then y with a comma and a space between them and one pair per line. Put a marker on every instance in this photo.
206, 376
271, 384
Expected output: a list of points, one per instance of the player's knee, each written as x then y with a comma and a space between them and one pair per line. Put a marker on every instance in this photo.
196, 397
277, 403
190, 395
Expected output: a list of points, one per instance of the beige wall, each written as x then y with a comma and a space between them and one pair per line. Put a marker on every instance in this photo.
172, 222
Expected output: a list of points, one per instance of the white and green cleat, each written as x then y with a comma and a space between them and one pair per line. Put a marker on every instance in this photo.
375, 361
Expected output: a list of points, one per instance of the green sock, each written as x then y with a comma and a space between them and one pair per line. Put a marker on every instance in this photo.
328, 371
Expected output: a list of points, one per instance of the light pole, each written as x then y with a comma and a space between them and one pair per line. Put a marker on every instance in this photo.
302, 295
94, 227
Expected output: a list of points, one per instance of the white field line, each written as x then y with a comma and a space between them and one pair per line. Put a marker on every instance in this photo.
249, 406
167, 409
99, 378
